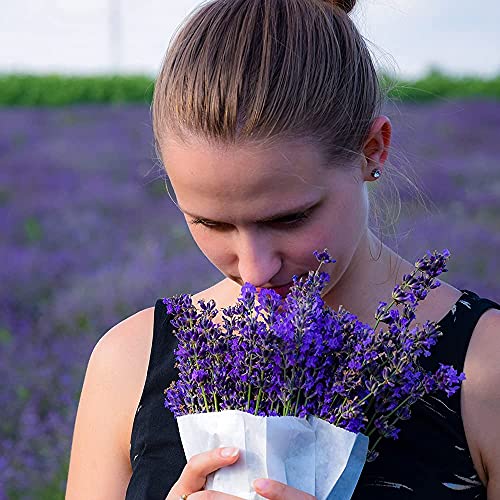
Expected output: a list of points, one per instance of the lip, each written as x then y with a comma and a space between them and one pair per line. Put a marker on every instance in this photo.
281, 290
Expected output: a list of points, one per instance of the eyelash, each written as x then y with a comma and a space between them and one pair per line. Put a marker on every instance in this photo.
298, 220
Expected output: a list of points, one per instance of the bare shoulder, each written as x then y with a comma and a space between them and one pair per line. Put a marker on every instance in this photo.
220, 291
224, 293
438, 303
113, 384
126, 348
480, 399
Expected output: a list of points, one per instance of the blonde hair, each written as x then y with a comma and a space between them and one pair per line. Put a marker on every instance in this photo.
240, 72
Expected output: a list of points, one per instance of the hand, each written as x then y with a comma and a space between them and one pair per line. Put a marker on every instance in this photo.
194, 475
274, 490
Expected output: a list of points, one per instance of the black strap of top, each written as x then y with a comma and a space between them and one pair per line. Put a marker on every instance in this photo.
458, 326
164, 341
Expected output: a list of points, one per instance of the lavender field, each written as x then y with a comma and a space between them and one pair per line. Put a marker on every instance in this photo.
90, 236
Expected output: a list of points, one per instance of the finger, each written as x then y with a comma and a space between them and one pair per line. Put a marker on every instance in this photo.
198, 467
274, 490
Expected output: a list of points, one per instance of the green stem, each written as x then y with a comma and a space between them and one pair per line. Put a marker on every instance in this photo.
249, 383
260, 393
367, 396
376, 443
289, 402
296, 403
398, 407
285, 409
298, 395
338, 418
390, 414
259, 396
370, 423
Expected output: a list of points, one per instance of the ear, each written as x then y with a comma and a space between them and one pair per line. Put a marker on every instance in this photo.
376, 147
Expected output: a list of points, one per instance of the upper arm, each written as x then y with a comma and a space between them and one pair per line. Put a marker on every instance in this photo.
99, 462
481, 397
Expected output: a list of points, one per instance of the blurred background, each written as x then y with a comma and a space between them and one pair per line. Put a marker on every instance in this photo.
89, 236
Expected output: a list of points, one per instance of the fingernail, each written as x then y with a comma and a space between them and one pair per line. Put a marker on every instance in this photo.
229, 452
261, 484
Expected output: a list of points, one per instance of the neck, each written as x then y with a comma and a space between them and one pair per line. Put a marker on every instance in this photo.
368, 279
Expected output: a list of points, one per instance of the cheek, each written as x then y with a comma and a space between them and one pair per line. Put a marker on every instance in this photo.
339, 236
203, 238
212, 244
322, 237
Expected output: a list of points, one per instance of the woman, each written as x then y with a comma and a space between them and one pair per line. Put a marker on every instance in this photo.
266, 116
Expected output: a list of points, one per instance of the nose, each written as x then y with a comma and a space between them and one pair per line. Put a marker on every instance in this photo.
258, 260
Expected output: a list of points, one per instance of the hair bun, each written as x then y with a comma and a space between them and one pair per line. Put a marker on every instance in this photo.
346, 5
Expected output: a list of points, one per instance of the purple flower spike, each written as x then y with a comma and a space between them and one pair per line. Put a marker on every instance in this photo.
434, 264
400, 296
324, 256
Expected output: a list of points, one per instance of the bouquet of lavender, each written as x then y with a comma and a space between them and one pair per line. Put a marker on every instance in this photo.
299, 387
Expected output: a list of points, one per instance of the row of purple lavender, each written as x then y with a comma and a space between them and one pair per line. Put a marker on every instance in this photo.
89, 236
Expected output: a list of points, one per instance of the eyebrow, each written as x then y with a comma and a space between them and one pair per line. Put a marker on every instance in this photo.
280, 215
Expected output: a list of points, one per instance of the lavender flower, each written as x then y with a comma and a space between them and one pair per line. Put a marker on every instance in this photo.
296, 356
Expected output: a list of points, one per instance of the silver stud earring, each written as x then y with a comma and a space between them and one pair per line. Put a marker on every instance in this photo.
376, 173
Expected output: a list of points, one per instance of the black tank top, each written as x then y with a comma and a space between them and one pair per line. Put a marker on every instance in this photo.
429, 460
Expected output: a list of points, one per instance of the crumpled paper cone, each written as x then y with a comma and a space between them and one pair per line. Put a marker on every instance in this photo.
308, 454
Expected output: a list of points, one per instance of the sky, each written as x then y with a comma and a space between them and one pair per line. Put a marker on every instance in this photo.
407, 37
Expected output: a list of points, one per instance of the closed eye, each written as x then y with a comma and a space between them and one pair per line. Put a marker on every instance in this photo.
287, 222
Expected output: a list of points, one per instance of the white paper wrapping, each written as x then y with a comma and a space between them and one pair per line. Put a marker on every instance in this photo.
308, 454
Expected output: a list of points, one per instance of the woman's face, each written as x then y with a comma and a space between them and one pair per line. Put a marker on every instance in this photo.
236, 191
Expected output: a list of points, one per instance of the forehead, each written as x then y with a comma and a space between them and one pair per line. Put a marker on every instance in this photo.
202, 174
